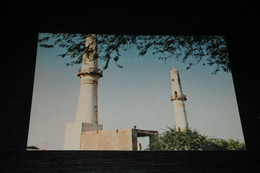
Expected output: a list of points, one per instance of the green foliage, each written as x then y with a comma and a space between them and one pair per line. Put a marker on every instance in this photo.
191, 50
191, 140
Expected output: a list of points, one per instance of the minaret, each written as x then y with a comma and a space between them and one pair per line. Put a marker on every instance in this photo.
89, 73
87, 111
178, 99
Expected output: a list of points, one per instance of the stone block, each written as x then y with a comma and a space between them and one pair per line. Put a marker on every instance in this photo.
74, 131
121, 139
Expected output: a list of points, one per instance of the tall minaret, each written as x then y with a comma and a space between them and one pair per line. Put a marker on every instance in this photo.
87, 111
178, 99
89, 73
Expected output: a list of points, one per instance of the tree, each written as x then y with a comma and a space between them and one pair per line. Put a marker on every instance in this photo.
173, 139
209, 50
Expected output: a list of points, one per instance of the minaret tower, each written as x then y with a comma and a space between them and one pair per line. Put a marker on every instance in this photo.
89, 73
178, 99
87, 111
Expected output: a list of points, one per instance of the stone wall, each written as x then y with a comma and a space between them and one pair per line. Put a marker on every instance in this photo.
121, 139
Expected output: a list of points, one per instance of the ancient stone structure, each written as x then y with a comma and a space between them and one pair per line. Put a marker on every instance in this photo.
85, 133
89, 73
87, 111
120, 139
178, 99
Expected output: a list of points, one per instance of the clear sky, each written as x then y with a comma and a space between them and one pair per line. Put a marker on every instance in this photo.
138, 94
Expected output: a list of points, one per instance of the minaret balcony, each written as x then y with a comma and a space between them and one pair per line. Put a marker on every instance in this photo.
181, 98
90, 71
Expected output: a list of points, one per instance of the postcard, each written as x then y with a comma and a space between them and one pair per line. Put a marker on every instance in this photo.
133, 93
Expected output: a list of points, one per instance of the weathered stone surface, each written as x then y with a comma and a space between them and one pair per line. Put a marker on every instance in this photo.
89, 73
73, 134
121, 139
107, 140
89, 127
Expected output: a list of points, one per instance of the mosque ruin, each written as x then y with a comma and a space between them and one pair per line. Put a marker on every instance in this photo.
86, 133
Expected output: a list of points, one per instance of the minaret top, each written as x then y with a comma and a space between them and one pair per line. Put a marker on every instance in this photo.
90, 58
91, 41
174, 70
176, 86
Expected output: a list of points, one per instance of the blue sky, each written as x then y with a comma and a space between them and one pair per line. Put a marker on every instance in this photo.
138, 94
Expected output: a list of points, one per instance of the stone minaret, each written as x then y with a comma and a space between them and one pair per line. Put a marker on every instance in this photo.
89, 73
87, 111
178, 99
